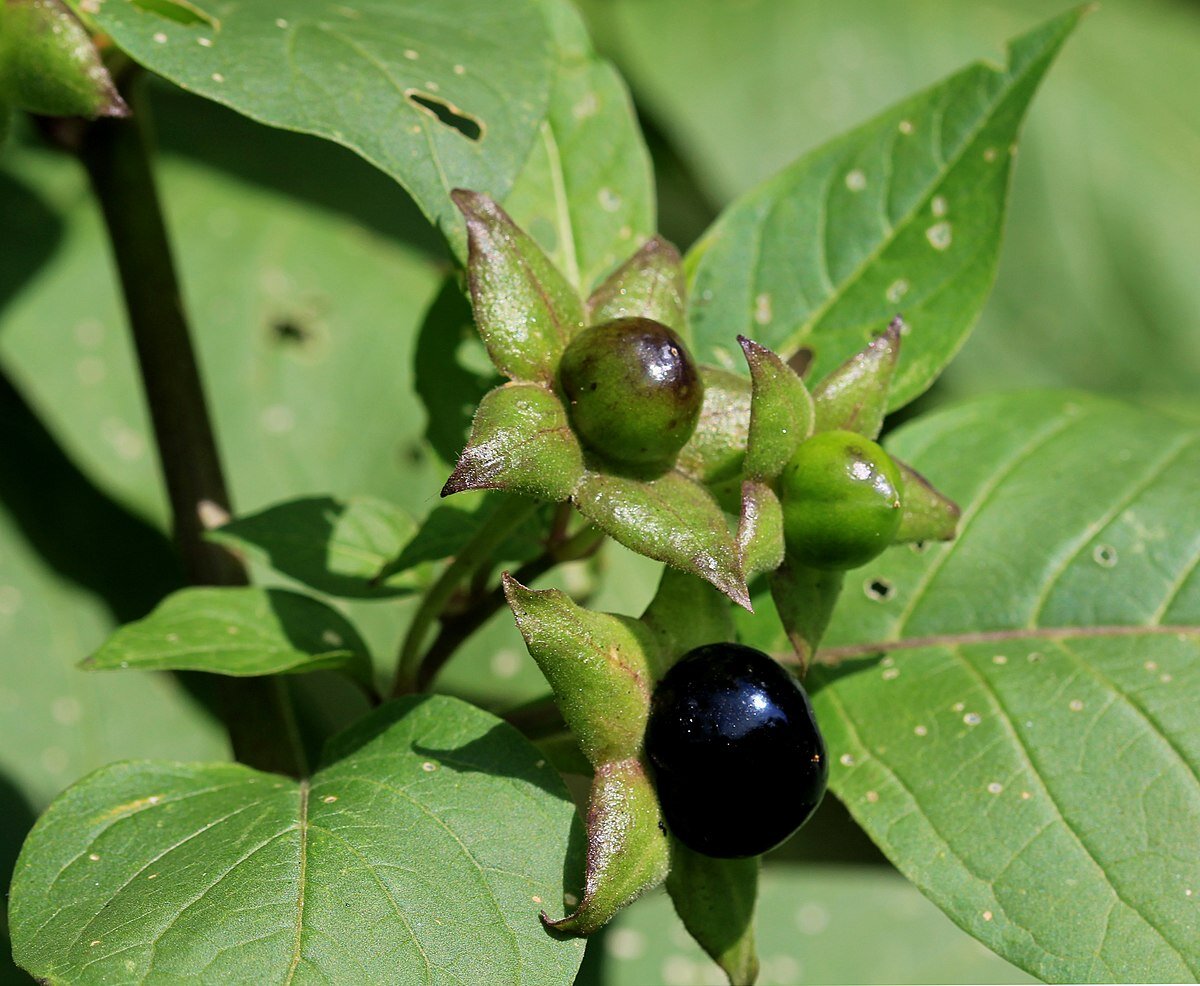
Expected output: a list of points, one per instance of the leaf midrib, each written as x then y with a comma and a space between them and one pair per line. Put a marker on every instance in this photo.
833, 656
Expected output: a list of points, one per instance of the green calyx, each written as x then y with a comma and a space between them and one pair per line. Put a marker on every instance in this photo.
604, 407
633, 392
841, 501
49, 64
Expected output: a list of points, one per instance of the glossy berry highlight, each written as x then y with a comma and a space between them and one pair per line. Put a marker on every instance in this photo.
632, 391
841, 501
738, 760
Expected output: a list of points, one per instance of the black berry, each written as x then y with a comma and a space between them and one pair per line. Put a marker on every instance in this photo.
633, 392
738, 760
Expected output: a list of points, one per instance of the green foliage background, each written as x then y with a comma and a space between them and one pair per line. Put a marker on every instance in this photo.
309, 274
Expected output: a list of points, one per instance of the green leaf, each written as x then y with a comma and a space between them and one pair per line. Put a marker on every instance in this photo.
649, 284
382, 868
781, 412
854, 397
903, 213
586, 192
714, 899
601, 668
1026, 752
525, 309
760, 530
717, 449
334, 546
818, 924
49, 64
237, 631
521, 442
628, 850
437, 95
805, 598
670, 519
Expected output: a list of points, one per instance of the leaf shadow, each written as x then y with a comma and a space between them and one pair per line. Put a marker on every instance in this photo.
822, 675
30, 220
316, 171
85, 536
449, 390
302, 558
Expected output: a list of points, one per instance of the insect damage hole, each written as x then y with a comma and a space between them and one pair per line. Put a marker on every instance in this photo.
447, 114
290, 330
879, 590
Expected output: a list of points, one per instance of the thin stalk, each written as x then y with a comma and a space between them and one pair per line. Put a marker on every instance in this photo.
257, 712
476, 552
455, 630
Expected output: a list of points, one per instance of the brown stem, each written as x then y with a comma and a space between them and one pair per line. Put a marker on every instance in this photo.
456, 629
257, 711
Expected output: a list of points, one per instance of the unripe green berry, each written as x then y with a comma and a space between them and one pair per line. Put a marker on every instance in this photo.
841, 501
632, 391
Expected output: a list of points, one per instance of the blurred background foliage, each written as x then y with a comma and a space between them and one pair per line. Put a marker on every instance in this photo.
308, 275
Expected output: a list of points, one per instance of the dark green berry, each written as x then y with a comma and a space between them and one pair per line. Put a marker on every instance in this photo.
632, 391
738, 761
841, 501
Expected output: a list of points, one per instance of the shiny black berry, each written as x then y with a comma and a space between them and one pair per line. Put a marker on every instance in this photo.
633, 392
738, 760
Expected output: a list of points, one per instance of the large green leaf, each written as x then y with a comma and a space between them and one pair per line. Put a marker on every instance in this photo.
586, 193
1097, 279
1027, 752
812, 924
903, 214
440, 95
242, 630
385, 867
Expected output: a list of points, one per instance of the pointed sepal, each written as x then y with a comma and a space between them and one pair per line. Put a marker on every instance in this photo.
760, 530
854, 397
599, 667
715, 900
717, 449
628, 851
686, 613
49, 64
649, 284
781, 413
522, 442
804, 598
926, 515
525, 309
670, 519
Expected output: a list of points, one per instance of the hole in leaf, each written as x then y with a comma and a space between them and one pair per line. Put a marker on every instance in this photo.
801, 360
447, 114
880, 590
179, 11
920, 547
289, 331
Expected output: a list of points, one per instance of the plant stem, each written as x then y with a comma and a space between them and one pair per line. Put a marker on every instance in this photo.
476, 552
458, 628
257, 711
